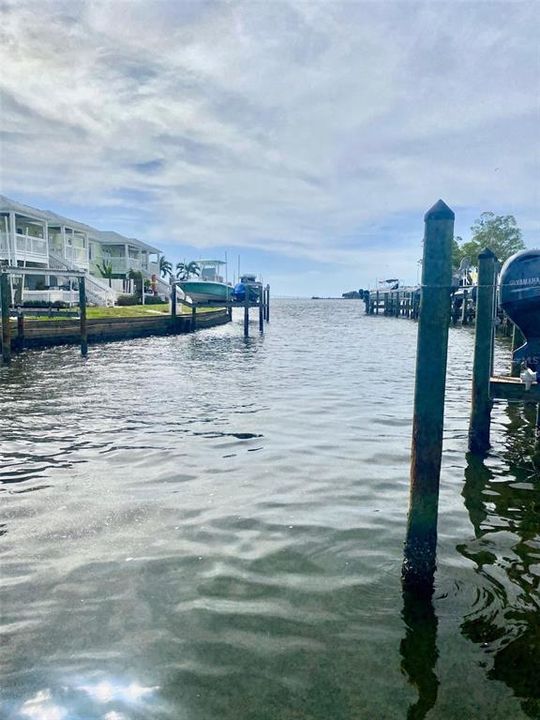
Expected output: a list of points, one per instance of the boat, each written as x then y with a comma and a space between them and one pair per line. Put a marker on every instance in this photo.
519, 296
209, 286
247, 281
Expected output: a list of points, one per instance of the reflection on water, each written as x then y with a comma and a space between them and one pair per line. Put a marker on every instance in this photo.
503, 501
202, 527
107, 699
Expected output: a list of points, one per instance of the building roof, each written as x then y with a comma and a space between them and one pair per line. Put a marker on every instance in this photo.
106, 237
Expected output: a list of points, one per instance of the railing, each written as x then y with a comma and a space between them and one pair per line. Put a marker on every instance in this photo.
97, 289
29, 245
25, 246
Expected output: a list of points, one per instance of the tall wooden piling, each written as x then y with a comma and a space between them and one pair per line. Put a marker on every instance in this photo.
268, 303
481, 405
246, 310
20, 330
261, 310
193, 318
432, 346
6, 327
173, 302
82, 316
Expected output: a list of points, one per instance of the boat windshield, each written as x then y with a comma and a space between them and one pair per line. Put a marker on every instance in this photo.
210, 270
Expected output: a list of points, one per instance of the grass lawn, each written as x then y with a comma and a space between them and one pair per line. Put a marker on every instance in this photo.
98, 313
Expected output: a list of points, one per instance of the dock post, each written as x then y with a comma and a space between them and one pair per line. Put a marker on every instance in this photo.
193, 318
173, 302
430, 384
377, 302
480, 420
268, 303
465, 309
517, 341
6, 328
20, 330
367, 302
246, 310
261, 310
82, 315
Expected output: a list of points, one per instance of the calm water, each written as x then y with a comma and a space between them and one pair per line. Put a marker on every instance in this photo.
203, 527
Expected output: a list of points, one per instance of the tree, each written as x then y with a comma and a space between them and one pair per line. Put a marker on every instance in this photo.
499, 233
165, 267
106, 270
185, 270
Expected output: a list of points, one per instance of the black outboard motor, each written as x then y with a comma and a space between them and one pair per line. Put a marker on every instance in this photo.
520, 299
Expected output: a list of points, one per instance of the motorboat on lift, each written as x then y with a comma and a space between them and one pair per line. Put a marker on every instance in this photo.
210, 285
519, 296
252, 284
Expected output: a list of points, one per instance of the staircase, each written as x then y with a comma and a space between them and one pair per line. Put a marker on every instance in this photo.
97, 290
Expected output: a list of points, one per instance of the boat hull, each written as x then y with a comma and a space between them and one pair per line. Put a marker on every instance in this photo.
520, 299
206, 291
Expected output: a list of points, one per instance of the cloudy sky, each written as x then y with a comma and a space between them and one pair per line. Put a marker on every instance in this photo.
308, 137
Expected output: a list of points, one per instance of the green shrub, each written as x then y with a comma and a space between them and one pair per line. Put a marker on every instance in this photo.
124, 300
153, 300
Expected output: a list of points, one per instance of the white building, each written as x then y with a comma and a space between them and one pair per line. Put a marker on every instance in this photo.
41, 239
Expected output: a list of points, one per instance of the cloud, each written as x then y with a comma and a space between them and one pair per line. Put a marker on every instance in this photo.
290, 126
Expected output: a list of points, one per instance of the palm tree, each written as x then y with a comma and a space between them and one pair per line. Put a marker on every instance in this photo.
185, 270
165, 267
106, 270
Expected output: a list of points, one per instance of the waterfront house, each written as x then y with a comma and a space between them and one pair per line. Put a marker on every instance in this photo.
35, 238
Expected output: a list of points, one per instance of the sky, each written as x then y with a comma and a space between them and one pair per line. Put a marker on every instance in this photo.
308, 138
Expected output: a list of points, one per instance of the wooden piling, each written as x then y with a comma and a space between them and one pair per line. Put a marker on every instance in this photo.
261, 310
82, 316
6, 327
481, 406
246, 310
465, 309
20, 330
173, 302
268, 303
377, 302
193, 318
431, 358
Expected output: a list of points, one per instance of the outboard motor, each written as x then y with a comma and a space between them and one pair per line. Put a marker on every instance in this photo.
520, 299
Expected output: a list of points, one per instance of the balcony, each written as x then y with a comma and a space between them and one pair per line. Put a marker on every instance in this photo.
27, 248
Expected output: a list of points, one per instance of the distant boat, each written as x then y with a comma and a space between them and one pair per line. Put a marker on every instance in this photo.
209, 286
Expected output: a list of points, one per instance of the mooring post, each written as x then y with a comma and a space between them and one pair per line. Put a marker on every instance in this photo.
173, 302
481, 405
268, 303
20, 330
82, 316
376, 302
517, 341
246, 310
6, 328
464, 308
193, 318
427, 436
261, 310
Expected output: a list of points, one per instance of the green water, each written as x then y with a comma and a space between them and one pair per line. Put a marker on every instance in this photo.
203, 527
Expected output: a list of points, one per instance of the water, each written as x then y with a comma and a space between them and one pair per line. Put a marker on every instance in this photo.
203, 527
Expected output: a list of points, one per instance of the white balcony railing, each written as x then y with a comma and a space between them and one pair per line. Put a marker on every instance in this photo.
27, 247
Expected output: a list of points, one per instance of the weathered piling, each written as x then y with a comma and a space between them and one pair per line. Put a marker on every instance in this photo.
267, 303
193, 318
432, 346
20, 330
246, 311
173, 301
82, 316
261, 309
481, 405
6, 327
